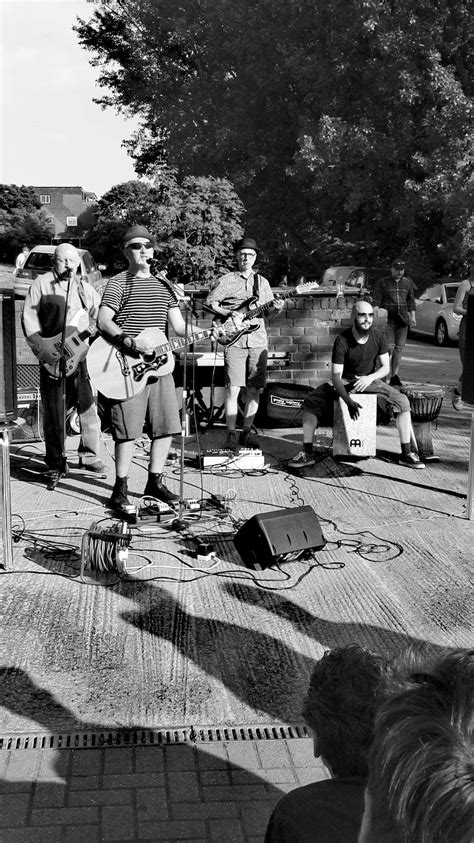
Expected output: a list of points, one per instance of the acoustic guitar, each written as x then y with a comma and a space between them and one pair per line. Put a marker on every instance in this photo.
119, 375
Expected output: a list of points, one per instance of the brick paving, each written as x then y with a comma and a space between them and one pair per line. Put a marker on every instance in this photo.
208, 792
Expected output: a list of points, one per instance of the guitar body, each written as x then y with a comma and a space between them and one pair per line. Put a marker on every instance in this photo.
120, 376
76, 346
75, 350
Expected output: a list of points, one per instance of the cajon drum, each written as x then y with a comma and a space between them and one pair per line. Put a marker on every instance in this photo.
355, 437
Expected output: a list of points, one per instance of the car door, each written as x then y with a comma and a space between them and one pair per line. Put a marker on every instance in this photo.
428, 307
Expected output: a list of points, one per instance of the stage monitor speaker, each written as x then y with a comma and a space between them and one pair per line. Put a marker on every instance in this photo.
278, 536
8, 400
468, 360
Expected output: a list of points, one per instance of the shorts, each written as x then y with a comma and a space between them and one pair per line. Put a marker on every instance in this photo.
320, 402
246, 367
396, 334
154, 409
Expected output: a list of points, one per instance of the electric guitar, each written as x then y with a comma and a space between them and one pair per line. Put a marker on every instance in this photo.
74, 350
240, 322
119, 375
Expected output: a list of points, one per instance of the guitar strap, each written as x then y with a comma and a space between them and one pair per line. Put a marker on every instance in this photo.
256, 285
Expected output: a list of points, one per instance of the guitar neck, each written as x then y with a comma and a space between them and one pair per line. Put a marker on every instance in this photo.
177, 343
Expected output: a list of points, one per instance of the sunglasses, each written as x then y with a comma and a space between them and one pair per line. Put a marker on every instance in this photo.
137, 246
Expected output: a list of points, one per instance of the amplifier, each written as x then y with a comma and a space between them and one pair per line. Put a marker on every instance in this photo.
30, 410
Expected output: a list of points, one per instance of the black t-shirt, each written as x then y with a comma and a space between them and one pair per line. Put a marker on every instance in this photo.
358, 358
324, 812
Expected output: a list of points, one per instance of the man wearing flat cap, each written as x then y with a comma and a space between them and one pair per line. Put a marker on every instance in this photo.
245, 361
133, 301
396, 294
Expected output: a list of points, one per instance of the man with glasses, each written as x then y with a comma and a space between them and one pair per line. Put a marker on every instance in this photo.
360, 361
245, 361
133, 301
396, 293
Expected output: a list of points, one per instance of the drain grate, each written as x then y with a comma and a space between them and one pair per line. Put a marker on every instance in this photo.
151, 737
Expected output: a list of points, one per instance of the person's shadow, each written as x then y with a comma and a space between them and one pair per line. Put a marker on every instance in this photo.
39, 787
269, 676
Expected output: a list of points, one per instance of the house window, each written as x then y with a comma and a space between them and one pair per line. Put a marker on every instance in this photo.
45, 198
71, 221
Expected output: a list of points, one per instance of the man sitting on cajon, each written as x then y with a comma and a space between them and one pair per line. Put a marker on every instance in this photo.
360, 361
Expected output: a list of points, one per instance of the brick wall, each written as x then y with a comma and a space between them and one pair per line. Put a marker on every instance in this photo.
305, 330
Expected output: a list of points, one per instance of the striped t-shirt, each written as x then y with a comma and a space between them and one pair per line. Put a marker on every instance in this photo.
138, 302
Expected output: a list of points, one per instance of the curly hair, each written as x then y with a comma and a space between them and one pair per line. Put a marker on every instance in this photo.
346, 688
421, 779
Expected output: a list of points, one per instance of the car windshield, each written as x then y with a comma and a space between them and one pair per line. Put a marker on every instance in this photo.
39, 260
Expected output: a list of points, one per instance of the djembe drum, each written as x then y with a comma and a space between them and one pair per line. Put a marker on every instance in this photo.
425, 405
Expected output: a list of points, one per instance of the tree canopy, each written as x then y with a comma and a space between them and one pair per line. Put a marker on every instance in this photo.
195, 222
22, 222
342, 123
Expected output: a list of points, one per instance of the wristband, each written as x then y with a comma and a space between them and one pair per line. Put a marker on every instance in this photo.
124, 342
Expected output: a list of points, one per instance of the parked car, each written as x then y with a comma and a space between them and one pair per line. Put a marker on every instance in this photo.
353, 276
40, 260
434, 313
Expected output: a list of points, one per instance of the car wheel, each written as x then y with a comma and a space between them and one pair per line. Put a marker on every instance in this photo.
441, 333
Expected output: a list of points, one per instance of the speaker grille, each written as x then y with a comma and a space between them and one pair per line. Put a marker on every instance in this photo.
8, 401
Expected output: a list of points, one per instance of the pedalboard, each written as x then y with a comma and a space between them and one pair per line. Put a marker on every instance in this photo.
151, 510
246, 459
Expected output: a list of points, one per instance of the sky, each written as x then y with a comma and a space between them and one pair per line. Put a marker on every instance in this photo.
51, 132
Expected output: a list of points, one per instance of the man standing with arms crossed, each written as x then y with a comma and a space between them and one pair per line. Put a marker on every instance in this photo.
396, 294
246, 359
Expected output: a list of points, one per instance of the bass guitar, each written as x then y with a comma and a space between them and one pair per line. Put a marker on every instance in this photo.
241, 321
119, 375
73, 350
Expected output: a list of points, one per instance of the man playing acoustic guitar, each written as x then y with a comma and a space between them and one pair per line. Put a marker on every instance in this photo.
245, 361
57, 304
136, 303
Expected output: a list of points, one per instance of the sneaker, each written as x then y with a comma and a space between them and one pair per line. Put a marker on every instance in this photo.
230, 443
456, 400
395, 381
118, 499
155, 488
247, 439
302, 460
411, 460
96, 467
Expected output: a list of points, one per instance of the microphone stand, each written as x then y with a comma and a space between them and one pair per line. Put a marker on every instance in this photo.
62, 367
178, 293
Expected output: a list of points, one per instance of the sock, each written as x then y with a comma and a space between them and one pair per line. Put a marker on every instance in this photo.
308, 448
406, 448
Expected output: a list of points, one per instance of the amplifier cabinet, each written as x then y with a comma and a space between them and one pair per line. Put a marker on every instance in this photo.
8, 402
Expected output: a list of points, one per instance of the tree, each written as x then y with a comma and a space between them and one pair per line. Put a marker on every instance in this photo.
22, 222
337, 121
195, 222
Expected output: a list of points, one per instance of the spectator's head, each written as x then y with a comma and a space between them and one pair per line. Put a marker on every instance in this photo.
25, 249
66, 260
246, 252
345, 691
421, 779
397, 268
